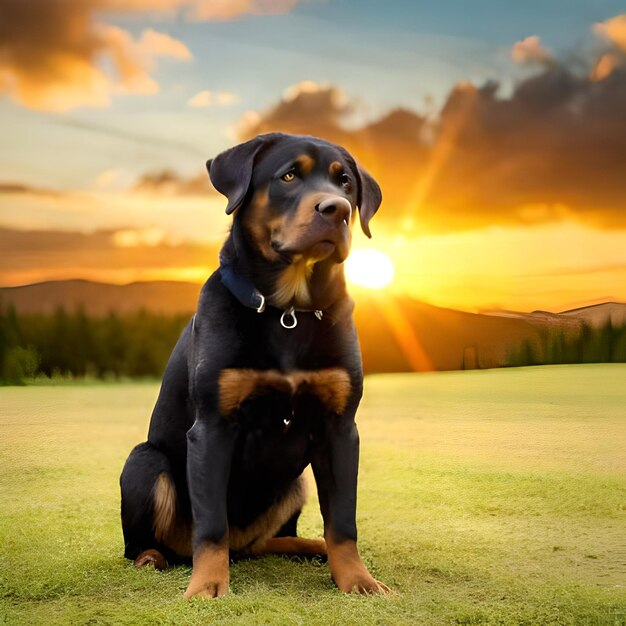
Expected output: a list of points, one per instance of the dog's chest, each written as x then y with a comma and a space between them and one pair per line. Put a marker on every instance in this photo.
279, 416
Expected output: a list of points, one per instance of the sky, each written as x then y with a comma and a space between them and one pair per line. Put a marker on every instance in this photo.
496, 130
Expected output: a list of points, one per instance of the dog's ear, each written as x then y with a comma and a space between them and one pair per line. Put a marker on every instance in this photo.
231, 171
368, 200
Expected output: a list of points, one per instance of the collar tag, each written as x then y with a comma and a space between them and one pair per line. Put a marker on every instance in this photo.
288, 319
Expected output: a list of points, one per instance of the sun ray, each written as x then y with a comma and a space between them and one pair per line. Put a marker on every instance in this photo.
404, 334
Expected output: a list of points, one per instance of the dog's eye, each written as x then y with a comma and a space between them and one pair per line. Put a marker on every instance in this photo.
288, 176
346, 181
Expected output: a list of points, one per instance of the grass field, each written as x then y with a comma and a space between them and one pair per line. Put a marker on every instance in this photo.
484, 497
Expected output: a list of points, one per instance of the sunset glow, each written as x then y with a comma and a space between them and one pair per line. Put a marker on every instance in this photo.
499, 144
369, 268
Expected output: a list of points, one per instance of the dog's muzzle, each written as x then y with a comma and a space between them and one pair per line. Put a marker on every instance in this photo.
335, 209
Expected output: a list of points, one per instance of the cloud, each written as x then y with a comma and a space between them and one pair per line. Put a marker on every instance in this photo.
530, 50
170, 183
305, 108
553, 150
605, 65
133, 237
223, 10
11, 188
613, 30
56, 56
123, 254
207, 98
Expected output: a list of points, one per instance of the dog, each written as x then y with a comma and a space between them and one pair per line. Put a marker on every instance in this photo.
265, 379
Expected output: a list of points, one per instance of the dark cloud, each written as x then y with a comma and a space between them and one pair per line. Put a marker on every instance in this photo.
555, 148
27, 255
10, 188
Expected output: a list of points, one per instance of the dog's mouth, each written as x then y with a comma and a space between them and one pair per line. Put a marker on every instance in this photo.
315, 251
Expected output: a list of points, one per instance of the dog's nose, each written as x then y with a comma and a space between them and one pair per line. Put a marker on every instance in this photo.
336, 209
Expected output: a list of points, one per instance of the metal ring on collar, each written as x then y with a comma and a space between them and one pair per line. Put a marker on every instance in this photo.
291, 312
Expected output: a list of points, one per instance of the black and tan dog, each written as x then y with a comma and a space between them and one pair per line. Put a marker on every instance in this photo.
264, 380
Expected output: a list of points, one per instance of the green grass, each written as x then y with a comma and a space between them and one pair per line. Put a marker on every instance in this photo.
485, 497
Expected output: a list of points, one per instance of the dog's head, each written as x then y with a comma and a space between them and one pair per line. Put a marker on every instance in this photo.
295, 198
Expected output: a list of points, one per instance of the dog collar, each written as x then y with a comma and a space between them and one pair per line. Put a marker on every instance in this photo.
249, 296
242, 288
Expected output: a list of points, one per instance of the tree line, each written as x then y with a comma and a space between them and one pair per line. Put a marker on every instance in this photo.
605, 343
73, 344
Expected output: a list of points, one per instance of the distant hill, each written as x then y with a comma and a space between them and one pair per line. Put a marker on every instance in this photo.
396, 333
101, 298
595, 315
599, 314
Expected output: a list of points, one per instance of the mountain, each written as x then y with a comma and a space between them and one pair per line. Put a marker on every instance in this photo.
166, 297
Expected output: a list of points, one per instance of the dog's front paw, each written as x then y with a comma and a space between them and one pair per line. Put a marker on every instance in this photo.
348, 570
361, 582
209, 588
209, 578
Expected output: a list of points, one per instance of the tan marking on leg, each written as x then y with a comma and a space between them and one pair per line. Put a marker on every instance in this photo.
209, 578
164, 498
151, 557
272, 520
347, 568
292, 546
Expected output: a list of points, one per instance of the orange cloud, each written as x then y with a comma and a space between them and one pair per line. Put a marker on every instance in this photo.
605, 65
614, 30
56, 56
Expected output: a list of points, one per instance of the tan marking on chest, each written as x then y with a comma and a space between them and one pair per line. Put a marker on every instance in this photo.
331, 386
292, 286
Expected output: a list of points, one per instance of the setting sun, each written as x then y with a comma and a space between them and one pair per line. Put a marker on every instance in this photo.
369, 268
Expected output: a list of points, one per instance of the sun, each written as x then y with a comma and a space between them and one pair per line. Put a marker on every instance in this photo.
369, 268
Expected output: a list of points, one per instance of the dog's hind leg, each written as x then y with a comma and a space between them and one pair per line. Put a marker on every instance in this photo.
290, 546
149, 506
